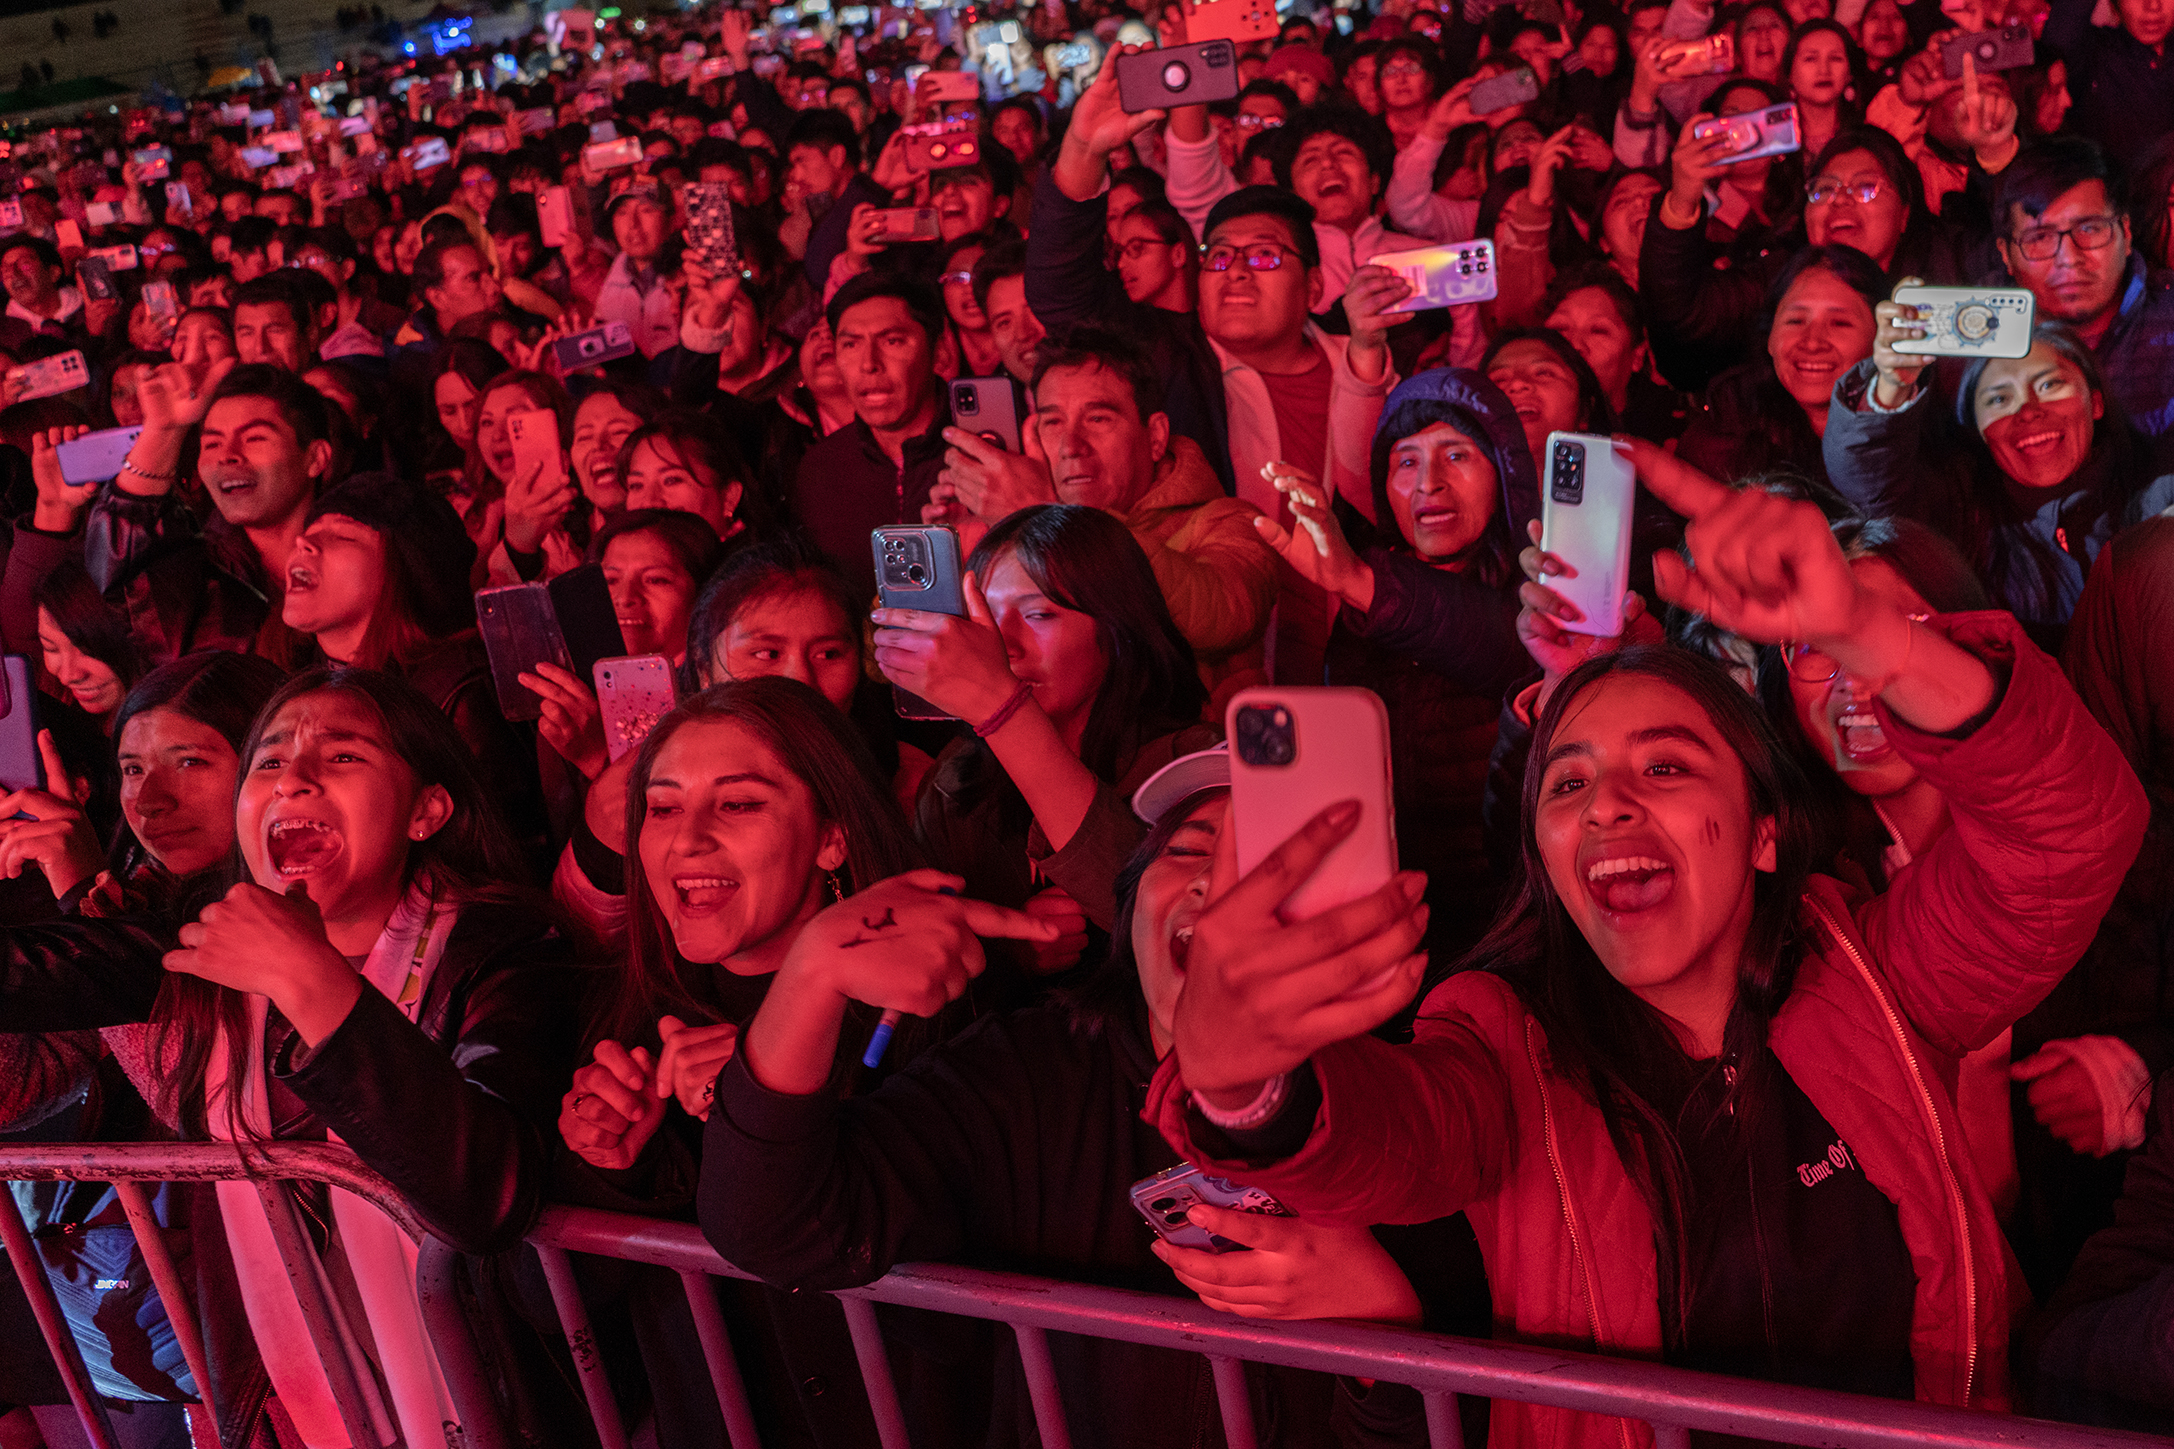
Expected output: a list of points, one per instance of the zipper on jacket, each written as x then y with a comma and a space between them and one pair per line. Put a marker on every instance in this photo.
1570, 1216
1940, 1146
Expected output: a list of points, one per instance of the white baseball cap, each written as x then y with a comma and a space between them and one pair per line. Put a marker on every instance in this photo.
1184, 776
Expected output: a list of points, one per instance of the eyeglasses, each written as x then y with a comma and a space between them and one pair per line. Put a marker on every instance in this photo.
2090, 235
1140, 246
1249, 121
1864, 193
1808, 666
956, 279
1260, 257
1404, 68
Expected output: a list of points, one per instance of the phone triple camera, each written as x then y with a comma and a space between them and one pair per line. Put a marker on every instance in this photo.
1265, 735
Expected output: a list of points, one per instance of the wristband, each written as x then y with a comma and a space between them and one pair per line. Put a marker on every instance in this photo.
1004, 712
129, 465
1263, 1107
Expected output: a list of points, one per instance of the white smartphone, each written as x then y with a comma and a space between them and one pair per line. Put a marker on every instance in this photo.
1296, 751
1967, 321
1585, 520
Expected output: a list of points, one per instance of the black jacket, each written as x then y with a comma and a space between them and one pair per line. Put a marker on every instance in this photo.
453, 1109
456, 1109
846, 486
1010, 1147
1067, 284
181, 587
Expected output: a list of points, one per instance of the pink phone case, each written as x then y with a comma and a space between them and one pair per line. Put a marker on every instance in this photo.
535, 438
633, 691
1295, 752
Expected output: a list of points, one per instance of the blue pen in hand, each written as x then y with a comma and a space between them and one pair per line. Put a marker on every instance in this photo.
879, 1040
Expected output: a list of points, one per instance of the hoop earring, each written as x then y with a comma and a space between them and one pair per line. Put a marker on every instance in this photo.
837, 892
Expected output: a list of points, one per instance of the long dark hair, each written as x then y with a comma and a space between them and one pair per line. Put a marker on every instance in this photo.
94, 626
1085, 560
217, 688
469, 859
1614, 1047
820, 748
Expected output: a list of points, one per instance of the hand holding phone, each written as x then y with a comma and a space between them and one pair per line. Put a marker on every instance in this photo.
1586, 507
919, 574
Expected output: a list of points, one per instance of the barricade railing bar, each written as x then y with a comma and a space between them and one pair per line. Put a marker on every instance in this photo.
1673, 1401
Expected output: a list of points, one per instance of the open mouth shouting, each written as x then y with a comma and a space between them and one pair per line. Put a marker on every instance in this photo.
1625, 884
299, 847
702, 895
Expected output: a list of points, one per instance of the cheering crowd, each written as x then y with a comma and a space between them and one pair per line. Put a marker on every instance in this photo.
1776, 985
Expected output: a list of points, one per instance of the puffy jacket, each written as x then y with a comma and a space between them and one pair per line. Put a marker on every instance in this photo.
1892, 991
1217, 576
1923, 462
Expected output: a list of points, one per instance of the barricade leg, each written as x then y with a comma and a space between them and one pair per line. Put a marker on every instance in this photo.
574, 1320
58, 1340
1042, 1387
860, 1317
1444, 1429
180, 1308
1237, 1405
300, 1256
437, 1289
709, 1327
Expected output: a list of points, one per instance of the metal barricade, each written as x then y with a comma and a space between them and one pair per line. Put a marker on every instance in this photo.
1672, 1401
270, 1167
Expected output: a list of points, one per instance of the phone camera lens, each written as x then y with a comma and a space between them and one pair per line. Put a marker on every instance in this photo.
1176, 1219
915, 574
1163, 1204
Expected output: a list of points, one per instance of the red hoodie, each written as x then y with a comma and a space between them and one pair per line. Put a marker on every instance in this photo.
1892, 992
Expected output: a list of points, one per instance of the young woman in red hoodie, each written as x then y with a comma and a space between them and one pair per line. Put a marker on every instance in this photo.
1698, 1104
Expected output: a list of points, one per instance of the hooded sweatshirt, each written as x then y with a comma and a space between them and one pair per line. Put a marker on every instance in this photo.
1441, 649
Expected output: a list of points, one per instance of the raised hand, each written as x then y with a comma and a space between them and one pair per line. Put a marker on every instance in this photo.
909, 943
1296, 1270
60, 503
1763, 566
610, 1112
176, 395
1099, 126
1451, 111
537, 501
1262, 994
994, 482
1372, 292
57, 837
1553, 154
572, 722
1898, 371
1316, 547
256, 941
687, 1068
957, 663
1539, 628
1691, 165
